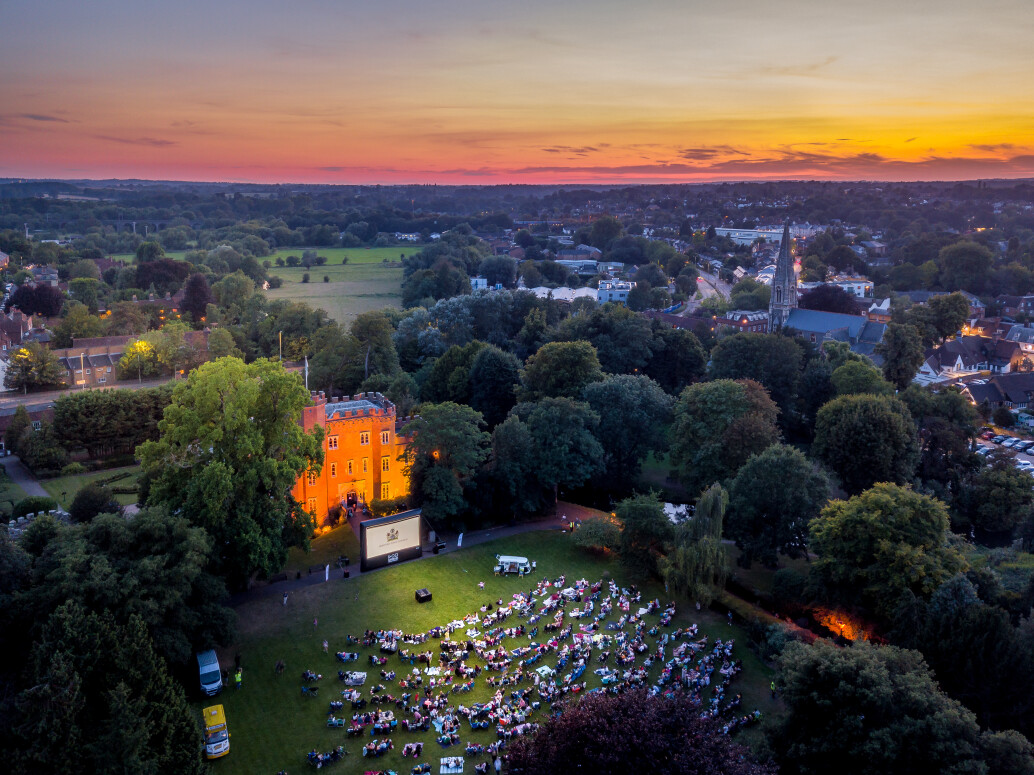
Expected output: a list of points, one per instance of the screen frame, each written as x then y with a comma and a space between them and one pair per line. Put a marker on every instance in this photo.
367, 562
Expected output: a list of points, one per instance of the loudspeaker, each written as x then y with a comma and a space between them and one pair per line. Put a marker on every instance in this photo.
423, 595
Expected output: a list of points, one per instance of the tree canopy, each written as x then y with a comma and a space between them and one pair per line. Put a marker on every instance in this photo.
229, 452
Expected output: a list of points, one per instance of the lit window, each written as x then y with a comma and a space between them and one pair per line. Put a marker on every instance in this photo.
312, 478
364, 437
331, 442
333, 469
385, 491
385, 463
366, 464
385, 436
349, 469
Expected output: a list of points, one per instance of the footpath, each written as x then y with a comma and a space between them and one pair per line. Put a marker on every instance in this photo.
473, 538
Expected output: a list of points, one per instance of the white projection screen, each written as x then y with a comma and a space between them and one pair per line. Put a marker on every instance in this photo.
391, 539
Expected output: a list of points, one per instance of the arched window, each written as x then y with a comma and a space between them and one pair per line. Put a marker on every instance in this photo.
779, 294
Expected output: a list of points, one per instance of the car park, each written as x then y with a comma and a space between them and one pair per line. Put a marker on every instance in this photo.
983, 451
1010, 442
999, 439
1023, 446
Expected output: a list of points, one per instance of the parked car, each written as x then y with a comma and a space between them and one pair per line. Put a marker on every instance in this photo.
1023, 446
988, 435
999, 439
983, 451
1010, 442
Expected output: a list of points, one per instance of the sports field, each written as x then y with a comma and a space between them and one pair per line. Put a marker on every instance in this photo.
274, 726
333, 255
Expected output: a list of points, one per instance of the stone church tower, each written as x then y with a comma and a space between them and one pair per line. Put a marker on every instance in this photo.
784, 285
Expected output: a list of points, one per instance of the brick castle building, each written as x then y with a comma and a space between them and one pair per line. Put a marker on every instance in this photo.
362, 445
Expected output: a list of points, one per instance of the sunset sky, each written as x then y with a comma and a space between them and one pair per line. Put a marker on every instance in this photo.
483, 91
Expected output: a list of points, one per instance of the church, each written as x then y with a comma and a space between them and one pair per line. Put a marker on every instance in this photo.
784, 286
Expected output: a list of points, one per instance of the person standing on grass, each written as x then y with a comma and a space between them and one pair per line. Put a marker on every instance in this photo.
285, 598
326, 646
237, 678
315, 622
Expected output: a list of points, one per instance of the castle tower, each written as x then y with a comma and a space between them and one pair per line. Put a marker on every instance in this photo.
784, 285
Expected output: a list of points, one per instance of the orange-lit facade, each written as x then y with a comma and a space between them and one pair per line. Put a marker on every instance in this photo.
361, 446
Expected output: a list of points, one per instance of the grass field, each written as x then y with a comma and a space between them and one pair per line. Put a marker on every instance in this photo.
10, 493
353, 289
273, 726
333, 255
325, 549
364, 284
64, 488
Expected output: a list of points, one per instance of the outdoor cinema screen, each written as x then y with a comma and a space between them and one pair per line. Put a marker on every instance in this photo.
390, 539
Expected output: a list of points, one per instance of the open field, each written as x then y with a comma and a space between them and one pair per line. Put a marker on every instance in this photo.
64, 488
273, 726
352, 289
333, 255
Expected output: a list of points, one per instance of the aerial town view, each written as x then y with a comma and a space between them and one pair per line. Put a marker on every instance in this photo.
543, 388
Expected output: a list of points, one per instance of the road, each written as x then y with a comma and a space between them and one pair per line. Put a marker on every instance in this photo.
708, 285
20, 476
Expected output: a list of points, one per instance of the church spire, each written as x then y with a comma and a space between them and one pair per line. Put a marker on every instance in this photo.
784, 285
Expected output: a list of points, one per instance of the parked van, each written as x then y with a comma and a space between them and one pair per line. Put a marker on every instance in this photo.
507, 564
217, 737
211, 675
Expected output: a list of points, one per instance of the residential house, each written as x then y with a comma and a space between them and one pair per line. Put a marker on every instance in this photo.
753, 321
966, 355
1012, 391
1016, 305
93, 361
14, 325
4, 260
614, 290
879, 311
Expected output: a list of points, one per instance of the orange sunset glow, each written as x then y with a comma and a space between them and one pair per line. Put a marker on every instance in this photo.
490, 92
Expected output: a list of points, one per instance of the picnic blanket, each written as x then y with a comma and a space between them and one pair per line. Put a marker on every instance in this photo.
451, 764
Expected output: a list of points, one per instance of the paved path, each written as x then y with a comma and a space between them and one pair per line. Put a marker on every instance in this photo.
20, 475
473, 538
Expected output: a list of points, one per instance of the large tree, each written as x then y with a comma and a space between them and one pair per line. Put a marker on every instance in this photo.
773, 360
33, 367
717, 426
98, 692
868, 709
772, 499
611, 735
678, 358
697, 564
866, 439
877, 546
645, 532
634, 415
197, 296
998, 497
447, 448
623, 340
230, 451
902, 351
560, 369
829, 298
567, 452
494, 375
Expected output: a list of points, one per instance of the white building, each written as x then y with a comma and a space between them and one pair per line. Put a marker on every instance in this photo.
614, 290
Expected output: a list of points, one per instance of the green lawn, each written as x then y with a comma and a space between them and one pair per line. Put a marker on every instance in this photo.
10, 493
325, 549
64, 488
353, 289
273, 726
333, 255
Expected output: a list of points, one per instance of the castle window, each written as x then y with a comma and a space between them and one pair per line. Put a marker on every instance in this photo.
364, 437
331, 442
385, 463
385, 491
385, 436
366, 464
312, 478
350, 467
333, 470
311, 504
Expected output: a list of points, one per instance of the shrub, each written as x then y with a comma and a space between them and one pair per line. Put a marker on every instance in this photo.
34, 504
321, 260
789, 587
1003, 417
382, 508
275, 282
73, 469
326, 278
90, 501
344, 260
280, 261
305, 277
598, 534
293, 260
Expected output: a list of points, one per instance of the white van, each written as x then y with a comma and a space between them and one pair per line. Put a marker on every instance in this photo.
508, 564
211, 675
